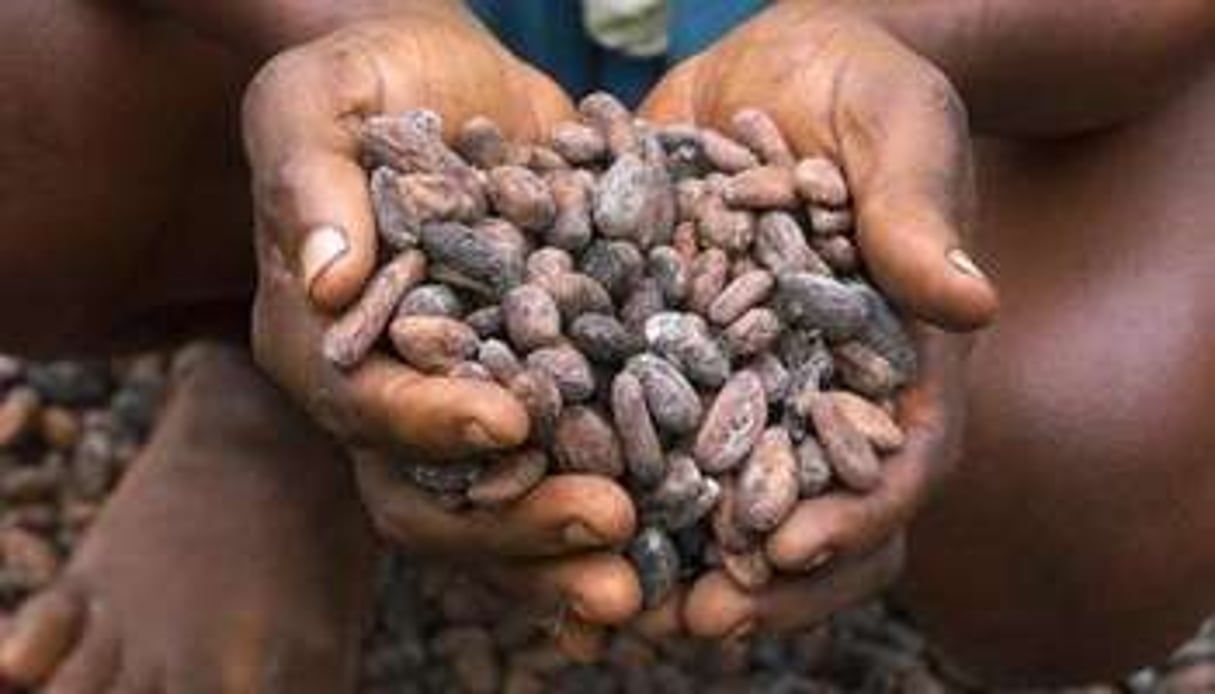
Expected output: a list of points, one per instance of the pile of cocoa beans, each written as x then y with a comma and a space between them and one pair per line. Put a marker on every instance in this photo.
680, 309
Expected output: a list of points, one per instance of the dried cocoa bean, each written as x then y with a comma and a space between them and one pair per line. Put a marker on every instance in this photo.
499, 359
670, 271
350, 337
29, 556
684, 339
813, 471
26, 485
657, 562
522, 197
681, 484
604, 339
432, 344
571, 189
684, 149
725, 154
394, 226
838, 252
635, 200
828, 221
541, 398
773, 374
847, 450
820, 182
431, 300
643, 302
585, 443
820, 303
869, 419
719, 226
409, 142
510, 477
446, 478
759, 132
709, 273
761, 188
780, 246
739, 296
481, 142
638, 437
474, 256
502, 231
687, 513
730, 536
568, 368
685, 243
750, 570
673, 402
575, 294
733, 424
865, 371
548, 261
617, 265
486, 321
579, 144
810, 363
688, 194
531, 317
613, 121
434, 197
470, 370
546, 160
884, 333
754, 332
767, 483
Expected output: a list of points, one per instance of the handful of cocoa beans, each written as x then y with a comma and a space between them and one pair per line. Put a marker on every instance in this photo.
676, 308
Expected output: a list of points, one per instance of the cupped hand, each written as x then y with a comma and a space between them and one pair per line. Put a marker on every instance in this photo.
316, 249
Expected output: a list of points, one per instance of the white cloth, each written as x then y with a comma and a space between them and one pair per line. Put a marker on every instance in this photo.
634, 27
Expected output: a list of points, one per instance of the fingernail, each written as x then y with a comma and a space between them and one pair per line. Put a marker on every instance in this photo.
741, 631
819, 560
964, 264
324, 245
578, 535
479, 436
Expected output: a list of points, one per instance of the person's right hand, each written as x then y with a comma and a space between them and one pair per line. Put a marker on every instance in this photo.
316, 248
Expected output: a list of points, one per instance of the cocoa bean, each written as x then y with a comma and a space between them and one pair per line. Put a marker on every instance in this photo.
541, 398
434, 197
348, 340
432, 344
395, 227
473, 255
431, 300
767, 483
820, 182
531, 317
761, 188
685, 243
522, 197
754, 332
761, 135
865, 371
481, 142
673, 402
846, 448
810, 363
499, 359
604, 339
18, 414
684, 149
568, 368
688, 194
828, 221
815, 302
548, 261
26, 485
719, 226
470, 370
643, 302
510, 477
708, 279
613, 121
584, 442
869, 419
681, 484
638, 437
730, 536
684, 339
740, 295
780, 246
29, 556
445, 478
838, 252
690, 511
487, 321
571, 190
750, 569
773, 374
884, 333
617, 265
670, 271
733, 424
579, 144
657, 562
575, 294
635, 200
725, 154
502, 231
813, 471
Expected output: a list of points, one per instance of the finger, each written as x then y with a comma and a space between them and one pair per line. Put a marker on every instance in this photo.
673, 100
565, 513
300, 117
717, 608
40, 635
597, 589
665, 620
847, 524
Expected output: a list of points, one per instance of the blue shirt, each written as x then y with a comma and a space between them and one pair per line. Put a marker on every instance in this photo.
549, 35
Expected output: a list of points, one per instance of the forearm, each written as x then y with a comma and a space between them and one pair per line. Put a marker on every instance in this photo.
1028, 67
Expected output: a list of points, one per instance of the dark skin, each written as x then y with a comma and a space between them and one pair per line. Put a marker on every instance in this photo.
928, 58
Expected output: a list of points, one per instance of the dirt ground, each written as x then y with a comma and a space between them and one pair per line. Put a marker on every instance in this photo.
69, 429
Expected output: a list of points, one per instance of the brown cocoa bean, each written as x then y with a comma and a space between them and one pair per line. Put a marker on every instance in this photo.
473, 255
730, 536
541, 398
531, 317
585, 443
865, 371
638, 437
741, 266
445, 478
499, 359
684, 339
673, 401
29, 556
502, 231
60, 427
884, 333
739, 296
432, 344
773, 374
688, 194
767, 483
575, 294
487, 321
409, 142
733, 424
18, 414
26, 485
754, 332
761, 135
820, 182
545, 160
470, 370
548, 261
708, 278
568, 368
684, 241
571, 189
680, 485
617, 265
395, 227
780, 246
431, 300
810, 362
510, 477
719, 226
522, 197
348, 340
579, 144
657, 562
869, 419
684, 149
838, 252
690, 511
670, 271
635, 200
613, 121
434, 197
815, 302
761, 188
828, 221
603, 339
725, 154
848, 451
643, 302
750, 570
481, 142
813, 471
